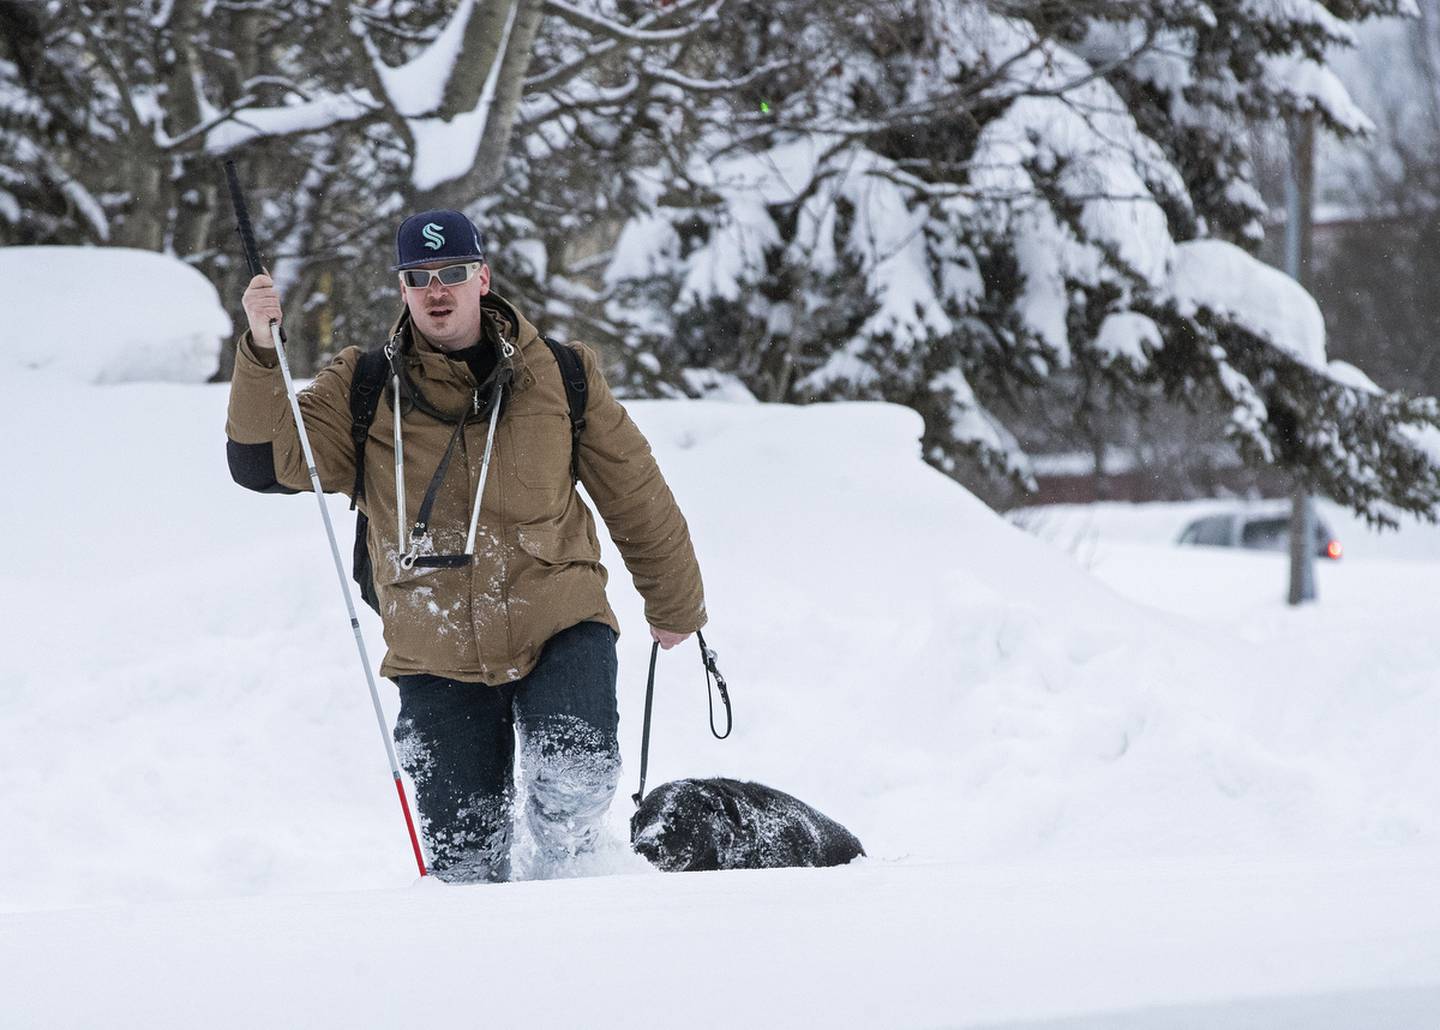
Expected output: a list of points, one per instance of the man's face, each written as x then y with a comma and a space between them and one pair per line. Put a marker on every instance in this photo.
449, 316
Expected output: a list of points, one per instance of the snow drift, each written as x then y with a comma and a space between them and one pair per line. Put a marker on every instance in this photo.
109, 315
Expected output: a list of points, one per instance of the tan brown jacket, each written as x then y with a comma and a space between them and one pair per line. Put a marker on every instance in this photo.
537, 559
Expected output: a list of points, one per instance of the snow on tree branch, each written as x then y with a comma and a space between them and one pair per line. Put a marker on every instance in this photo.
416, 88
1221, 278
610, 29
593, 52
244, 125
689, 85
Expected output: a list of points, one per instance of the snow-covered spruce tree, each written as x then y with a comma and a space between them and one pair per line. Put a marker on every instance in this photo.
963, 202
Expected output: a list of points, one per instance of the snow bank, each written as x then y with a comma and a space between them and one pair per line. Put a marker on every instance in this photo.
109, 315
936, 679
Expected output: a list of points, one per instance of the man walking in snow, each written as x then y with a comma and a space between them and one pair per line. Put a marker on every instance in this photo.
487, 573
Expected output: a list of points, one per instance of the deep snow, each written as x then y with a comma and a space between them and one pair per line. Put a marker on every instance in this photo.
1132, 781
1174, 944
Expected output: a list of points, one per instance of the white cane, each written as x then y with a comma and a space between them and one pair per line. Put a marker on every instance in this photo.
277, 339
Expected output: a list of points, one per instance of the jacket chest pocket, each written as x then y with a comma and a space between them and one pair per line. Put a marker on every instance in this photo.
538, 447
550, 548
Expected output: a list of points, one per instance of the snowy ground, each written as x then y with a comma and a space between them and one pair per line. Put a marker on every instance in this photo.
1103, 781
1181, 943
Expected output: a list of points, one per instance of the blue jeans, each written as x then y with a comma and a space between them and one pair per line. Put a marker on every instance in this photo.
457, 742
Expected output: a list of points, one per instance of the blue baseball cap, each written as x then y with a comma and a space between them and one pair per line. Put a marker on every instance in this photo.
437, 236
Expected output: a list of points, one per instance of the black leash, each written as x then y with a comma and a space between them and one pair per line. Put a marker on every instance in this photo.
707, 657
645, 737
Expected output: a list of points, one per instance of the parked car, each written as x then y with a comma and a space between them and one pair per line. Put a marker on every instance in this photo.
1258, 530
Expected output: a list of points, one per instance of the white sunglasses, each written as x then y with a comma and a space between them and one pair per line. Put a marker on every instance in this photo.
450, 275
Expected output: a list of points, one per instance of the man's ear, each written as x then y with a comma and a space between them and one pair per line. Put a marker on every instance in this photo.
483, 277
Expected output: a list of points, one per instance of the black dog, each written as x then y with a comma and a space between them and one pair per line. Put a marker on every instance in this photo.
726, 824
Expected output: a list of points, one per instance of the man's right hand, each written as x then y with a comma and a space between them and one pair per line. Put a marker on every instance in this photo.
262, 304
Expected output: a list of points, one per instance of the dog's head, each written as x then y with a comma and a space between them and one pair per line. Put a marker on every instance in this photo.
687, 825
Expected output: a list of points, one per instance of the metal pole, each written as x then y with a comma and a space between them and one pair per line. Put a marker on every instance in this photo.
277, 339
1300, 201
1302, 547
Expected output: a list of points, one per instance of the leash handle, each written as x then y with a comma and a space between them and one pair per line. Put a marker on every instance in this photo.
707, 657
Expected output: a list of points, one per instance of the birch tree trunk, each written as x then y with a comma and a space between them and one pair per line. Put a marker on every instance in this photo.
482, 49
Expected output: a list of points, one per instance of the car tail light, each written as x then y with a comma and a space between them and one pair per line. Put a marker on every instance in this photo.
1334, 550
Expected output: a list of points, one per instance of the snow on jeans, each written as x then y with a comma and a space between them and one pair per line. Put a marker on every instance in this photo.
457, 742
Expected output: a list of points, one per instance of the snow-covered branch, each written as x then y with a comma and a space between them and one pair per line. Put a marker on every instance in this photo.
559, 102
693, 85
597, 52
614, 30
247, 124
231, 110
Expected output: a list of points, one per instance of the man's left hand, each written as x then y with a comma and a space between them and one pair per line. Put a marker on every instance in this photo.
666, 638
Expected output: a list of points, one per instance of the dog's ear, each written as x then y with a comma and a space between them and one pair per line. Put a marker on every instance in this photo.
732, 808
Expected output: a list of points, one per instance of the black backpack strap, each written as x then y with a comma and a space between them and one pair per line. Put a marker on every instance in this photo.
366, 389
572, 374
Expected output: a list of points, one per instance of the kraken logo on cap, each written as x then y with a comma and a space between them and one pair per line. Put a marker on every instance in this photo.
433, 239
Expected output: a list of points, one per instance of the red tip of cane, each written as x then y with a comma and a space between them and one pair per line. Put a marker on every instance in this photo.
410, 825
